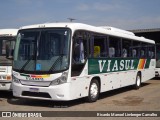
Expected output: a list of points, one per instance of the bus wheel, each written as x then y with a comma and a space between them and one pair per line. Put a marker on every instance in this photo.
94, 90
138, 81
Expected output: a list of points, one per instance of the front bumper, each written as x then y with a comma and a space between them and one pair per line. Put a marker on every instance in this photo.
5, 85
57, 92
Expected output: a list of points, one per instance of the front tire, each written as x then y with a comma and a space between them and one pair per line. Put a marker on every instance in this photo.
138, 81
94, 91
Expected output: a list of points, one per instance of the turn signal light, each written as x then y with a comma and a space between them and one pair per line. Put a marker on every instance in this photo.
9, 77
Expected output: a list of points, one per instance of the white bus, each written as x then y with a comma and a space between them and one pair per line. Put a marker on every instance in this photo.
66, 61
7, 42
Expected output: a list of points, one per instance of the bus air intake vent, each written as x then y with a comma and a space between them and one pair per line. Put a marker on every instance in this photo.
36, 94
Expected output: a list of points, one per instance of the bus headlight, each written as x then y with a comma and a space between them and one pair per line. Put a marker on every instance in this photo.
16, 80
60, 80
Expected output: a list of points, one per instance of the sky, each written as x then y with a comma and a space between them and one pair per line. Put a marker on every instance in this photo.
124, 14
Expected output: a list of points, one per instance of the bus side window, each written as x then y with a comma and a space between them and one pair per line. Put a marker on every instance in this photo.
124, 52
76, 51
137, 47
150, 54
111, 52
97, 51
99, 45
134, 53
127, 49
115, 46
79, 51
142, 53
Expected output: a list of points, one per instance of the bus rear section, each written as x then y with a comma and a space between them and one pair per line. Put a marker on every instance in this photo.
7, 42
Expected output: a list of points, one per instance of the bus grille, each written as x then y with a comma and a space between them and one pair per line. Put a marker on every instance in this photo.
36, 83
36, 94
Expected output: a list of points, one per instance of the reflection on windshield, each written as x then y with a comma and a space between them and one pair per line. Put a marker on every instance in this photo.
42, 50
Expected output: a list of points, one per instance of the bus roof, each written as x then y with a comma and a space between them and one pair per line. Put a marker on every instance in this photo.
103, 30
8, 32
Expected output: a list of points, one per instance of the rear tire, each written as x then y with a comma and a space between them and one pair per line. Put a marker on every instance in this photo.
94, 90
138, 81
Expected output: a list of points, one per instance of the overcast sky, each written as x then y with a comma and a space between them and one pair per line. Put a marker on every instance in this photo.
124, 14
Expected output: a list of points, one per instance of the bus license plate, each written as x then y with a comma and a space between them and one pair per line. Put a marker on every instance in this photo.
34, 89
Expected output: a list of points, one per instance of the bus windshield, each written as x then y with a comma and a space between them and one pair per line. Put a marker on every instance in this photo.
6, 50
42, 50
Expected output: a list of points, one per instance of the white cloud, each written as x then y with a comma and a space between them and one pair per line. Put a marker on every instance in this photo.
105, 7
30, 3
83, 7
23, 2
138, 23
98, 6
143, 22
29, 20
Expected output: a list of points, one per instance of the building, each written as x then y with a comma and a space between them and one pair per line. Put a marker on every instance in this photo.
153, 34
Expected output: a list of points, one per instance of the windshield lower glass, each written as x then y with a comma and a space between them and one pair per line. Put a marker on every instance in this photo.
42, 50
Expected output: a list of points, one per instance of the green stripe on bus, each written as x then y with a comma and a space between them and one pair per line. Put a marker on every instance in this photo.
102, 65
147, 63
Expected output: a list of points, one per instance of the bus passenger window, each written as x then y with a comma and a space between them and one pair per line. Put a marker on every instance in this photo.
99, 46
78, 51
126, 45
134, 53
114, 44
144, 50
111, 52
150, 54
142, 53
136, 46
97, 51
124, 52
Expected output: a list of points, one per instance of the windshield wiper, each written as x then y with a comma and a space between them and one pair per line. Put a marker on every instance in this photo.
22, 68
55, 63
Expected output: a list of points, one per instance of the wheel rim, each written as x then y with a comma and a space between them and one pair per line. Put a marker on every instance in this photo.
94, 90
138, 80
